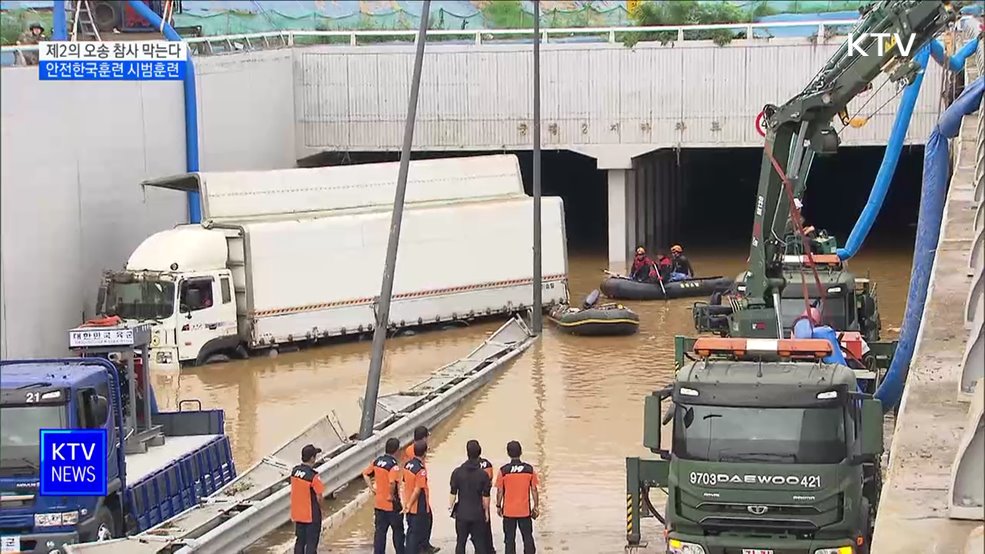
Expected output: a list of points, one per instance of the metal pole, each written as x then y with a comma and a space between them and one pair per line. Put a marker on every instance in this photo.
383, 307
538, 320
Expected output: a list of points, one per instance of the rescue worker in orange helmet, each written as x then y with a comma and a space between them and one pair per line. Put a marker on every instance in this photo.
681, 269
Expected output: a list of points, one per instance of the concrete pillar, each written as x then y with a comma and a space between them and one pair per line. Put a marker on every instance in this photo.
617, 208
630, 212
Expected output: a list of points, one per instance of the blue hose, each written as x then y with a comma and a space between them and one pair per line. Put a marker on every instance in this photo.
895, 145
191, 105
58, 29
936, 170
888, 167
956, 62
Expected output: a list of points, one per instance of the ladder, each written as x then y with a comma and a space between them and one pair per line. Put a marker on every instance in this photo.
83, 26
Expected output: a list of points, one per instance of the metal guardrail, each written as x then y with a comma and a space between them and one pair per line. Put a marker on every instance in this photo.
274, 39
257, 502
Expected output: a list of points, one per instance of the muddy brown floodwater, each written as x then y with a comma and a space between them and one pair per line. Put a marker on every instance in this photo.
575, 404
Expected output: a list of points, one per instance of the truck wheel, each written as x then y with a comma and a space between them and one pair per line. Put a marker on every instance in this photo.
105, 525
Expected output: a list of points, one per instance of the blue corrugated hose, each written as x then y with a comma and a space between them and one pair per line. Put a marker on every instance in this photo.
889, 160
936, 170
895, 145
191, 105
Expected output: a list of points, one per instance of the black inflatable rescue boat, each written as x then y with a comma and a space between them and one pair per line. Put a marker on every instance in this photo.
624, 288
594, 319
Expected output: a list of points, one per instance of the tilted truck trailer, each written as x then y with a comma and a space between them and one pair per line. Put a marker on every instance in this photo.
156, 467
224, 289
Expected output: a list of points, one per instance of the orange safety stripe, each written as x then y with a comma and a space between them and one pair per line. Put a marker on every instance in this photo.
705, 346
403, 296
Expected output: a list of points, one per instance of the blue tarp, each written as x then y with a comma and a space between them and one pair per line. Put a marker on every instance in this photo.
936, 171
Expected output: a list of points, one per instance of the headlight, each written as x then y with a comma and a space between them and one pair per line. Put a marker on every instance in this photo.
164, 357
838, 550
56, 519
675, 546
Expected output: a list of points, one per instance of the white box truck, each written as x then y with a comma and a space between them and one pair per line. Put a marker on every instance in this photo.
261, 276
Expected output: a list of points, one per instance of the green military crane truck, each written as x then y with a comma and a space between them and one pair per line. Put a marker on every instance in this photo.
773, 451
775, 447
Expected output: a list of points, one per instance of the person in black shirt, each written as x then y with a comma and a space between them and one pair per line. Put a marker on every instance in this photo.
469, 501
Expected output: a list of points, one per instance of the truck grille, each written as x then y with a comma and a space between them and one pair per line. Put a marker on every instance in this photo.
727, 510
758, 525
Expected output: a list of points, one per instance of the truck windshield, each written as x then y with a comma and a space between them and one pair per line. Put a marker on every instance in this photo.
140, 300
760, 435
20, 435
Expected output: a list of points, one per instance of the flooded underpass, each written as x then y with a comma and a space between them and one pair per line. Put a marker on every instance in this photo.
574, 403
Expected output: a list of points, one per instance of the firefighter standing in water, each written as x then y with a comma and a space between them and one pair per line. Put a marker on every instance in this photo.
307, 492
421, 433
417, 501
385, 471
517, 499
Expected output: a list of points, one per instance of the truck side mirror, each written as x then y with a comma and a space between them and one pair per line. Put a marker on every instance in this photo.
100, 410
872, 420
653, 419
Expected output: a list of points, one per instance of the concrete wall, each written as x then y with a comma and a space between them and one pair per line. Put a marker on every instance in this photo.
71, 157
694, 94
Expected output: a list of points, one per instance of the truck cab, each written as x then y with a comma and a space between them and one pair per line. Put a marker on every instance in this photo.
178, 281
849, 302
158, 463
771, 450
34, 398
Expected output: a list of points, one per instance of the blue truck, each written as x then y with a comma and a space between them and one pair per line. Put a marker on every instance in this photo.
158, 463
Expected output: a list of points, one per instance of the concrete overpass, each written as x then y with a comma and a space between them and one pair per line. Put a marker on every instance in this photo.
71, 207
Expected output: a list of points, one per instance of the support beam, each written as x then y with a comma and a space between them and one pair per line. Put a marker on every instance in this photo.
967, 488
975, 304
617, 210
973, 363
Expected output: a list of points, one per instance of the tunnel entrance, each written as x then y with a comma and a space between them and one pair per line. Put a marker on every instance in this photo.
715, 196
720, 189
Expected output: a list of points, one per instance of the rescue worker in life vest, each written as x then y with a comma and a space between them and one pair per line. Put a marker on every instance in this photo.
681, 267
643, 270
517, 499
417, 501
385, 483
307, 493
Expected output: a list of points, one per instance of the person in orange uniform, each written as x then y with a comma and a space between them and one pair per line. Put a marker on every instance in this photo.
421, 433
307, 492
517, 499
487, 466
417, 501
385, 482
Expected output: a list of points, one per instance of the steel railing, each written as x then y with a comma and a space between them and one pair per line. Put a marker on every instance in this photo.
274, 39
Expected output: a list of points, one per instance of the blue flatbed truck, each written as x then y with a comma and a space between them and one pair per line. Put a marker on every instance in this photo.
157, 465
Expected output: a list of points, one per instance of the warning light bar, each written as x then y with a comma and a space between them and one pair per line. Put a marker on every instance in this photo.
784, 348
819, 259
